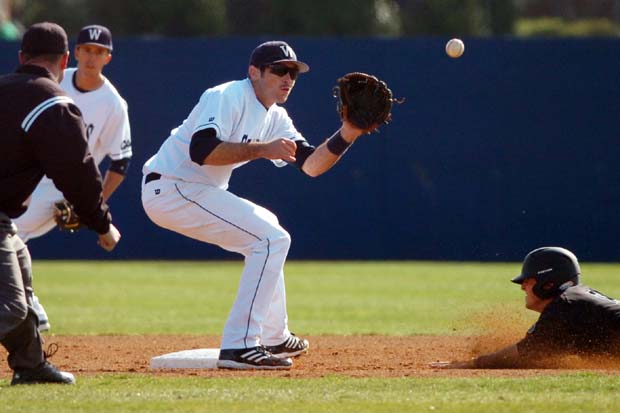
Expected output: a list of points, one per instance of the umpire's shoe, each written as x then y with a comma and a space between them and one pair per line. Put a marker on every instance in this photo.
44, 373
293, 346
252, 358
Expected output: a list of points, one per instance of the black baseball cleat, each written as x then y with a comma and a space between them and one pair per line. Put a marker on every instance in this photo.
44, 373
293, 346
252, 358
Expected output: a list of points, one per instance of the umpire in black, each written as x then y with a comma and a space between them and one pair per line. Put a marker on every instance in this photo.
575, 320
42, 134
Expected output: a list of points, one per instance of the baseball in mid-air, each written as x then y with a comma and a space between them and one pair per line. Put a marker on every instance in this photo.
455, 48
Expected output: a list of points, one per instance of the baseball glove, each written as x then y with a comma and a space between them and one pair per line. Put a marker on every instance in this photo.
65, 216
364, 100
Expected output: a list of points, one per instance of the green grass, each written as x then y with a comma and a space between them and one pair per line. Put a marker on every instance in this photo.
323, 298
395, 298
122, 393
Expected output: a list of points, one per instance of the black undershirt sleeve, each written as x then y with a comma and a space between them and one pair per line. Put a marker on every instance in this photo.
203, 143
304, 150
120, 166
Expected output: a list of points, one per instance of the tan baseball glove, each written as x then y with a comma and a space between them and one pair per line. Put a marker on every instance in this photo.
65, 216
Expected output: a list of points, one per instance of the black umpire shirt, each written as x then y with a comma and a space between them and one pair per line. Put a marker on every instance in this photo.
580, 321
42, 133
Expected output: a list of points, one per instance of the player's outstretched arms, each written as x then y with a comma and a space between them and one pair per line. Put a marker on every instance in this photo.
109, 240
329, 152
279, 149
227, 153
502, 359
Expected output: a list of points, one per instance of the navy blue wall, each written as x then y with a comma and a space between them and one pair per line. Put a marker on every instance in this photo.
513, 146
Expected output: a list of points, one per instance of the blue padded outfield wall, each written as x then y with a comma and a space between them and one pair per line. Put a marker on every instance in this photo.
513, 146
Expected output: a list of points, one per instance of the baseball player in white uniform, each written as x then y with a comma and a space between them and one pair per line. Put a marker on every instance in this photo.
107, 128
185, 190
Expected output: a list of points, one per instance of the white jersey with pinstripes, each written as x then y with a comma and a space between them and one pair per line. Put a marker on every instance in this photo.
233, 110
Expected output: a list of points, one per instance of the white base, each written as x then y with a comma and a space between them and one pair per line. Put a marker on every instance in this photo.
204, 358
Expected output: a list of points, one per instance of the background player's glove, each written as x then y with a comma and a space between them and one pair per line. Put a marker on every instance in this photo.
364, 101
65, 216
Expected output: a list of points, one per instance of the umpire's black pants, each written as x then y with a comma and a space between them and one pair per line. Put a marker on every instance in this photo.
19, 332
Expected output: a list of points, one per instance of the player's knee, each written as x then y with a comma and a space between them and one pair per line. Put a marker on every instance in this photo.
280, 240
276, 241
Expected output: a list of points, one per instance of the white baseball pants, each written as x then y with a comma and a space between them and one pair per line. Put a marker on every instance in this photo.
38, 219
209, 214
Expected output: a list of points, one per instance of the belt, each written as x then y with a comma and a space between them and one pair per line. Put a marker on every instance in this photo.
153, 176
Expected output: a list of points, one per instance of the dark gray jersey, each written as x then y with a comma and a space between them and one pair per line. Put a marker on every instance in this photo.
580, 321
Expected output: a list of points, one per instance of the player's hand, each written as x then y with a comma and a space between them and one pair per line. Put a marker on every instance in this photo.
350, 132
452, 364
280, 149
109, 240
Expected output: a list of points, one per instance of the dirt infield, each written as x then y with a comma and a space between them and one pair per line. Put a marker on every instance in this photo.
353, 356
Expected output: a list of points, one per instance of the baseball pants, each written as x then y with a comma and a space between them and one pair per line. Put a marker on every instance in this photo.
38, 219
213, 215
18, 320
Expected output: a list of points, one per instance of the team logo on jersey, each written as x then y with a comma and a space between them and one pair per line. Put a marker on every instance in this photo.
94, 33
211, 119
245, 139
126, 143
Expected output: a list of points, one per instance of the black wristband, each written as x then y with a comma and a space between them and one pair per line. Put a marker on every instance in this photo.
337, 145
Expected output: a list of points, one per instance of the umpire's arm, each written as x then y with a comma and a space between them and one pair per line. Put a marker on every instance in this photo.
58, 139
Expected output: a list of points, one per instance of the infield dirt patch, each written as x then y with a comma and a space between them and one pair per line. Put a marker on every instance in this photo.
353, 356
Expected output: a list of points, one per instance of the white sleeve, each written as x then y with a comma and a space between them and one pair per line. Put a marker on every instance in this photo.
117, 133
284, 128
215, 111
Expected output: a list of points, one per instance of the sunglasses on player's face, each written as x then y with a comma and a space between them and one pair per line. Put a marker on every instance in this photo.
282, 70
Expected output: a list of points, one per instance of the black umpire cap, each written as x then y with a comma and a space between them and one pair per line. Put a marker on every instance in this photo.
45, 38
97, 35
276, 52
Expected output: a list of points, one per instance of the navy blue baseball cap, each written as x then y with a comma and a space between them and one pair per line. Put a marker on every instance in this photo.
45, 38
97, 35
276, 52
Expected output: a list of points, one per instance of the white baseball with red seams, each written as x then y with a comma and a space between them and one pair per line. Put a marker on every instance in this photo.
455, 48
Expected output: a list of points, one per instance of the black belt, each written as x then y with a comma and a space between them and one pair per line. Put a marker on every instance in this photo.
153, 176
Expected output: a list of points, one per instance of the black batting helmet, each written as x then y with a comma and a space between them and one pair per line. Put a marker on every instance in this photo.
554, 269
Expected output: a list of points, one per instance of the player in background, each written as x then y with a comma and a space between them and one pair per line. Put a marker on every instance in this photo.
185, 190
107, 128
574, 319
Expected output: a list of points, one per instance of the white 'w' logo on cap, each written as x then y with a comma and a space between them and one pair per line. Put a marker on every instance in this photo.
94, 34
286, 50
